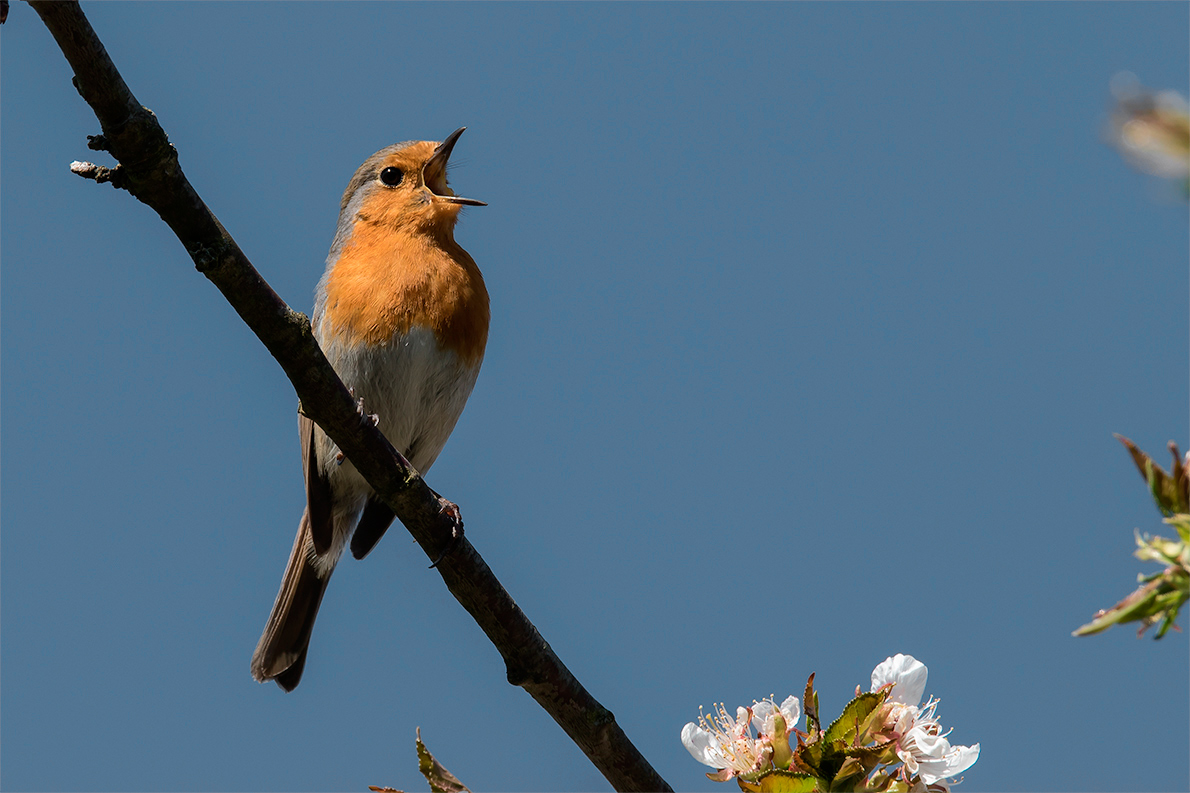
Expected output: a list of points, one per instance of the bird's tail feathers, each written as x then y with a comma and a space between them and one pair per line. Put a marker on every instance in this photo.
281, 653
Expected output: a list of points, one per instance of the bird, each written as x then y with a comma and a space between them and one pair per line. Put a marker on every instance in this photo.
402, 314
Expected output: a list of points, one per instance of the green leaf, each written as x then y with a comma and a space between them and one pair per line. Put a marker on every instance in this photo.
1181, 478
879, 782
852, 768
821, 759
810, 701
1136, 606
854, 716
441, 780
788, 782
1161, 596
872, 756
807, 756
1172, 493
1171, 616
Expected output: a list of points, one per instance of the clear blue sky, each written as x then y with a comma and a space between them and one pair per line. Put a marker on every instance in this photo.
811, 325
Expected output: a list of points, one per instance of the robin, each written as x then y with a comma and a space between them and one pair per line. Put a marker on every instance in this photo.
402, 314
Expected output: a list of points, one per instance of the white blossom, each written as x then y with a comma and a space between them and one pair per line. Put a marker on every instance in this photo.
920, 741
906, 673
924, 750
727, 744
764, 715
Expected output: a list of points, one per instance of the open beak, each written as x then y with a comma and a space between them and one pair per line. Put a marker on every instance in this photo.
437, 164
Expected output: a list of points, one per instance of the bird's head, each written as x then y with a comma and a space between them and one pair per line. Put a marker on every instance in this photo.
405, 186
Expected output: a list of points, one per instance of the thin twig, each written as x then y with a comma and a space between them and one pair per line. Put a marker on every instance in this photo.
89, 170
149, 170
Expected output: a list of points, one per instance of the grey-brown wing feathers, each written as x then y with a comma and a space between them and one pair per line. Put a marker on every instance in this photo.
318, 489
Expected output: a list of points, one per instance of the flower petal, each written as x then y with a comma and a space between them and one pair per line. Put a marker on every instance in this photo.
906, 673
962, 758
956, 760
927, 744
742, 718
762, 716
791, 708
702, 745
764, 711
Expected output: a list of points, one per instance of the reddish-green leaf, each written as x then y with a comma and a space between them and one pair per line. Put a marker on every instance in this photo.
810, 701
855, 716
1172, 493
441, 780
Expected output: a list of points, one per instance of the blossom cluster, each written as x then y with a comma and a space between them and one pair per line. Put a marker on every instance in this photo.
886, 740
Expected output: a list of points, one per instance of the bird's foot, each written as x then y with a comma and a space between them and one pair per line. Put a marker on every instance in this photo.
451, 511
360, 409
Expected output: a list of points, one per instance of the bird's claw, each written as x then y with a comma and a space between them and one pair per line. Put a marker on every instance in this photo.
451, 511
359, 408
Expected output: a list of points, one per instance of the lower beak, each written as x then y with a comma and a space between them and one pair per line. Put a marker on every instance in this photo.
438, 161
467, 202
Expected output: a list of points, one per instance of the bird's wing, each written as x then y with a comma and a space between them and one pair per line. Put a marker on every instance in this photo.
318, 489
374, 521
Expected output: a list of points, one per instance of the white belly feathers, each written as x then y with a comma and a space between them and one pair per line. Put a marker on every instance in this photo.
418, 391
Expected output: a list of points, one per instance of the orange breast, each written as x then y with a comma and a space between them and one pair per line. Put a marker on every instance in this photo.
388, 280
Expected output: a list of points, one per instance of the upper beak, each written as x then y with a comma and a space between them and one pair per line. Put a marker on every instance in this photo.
438, 161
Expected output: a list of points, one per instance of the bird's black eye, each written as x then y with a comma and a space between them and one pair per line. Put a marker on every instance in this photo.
391, 176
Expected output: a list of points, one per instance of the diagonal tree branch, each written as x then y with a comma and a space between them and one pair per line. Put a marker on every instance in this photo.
148, 168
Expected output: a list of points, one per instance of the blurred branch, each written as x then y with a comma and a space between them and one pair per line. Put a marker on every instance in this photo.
149, 170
